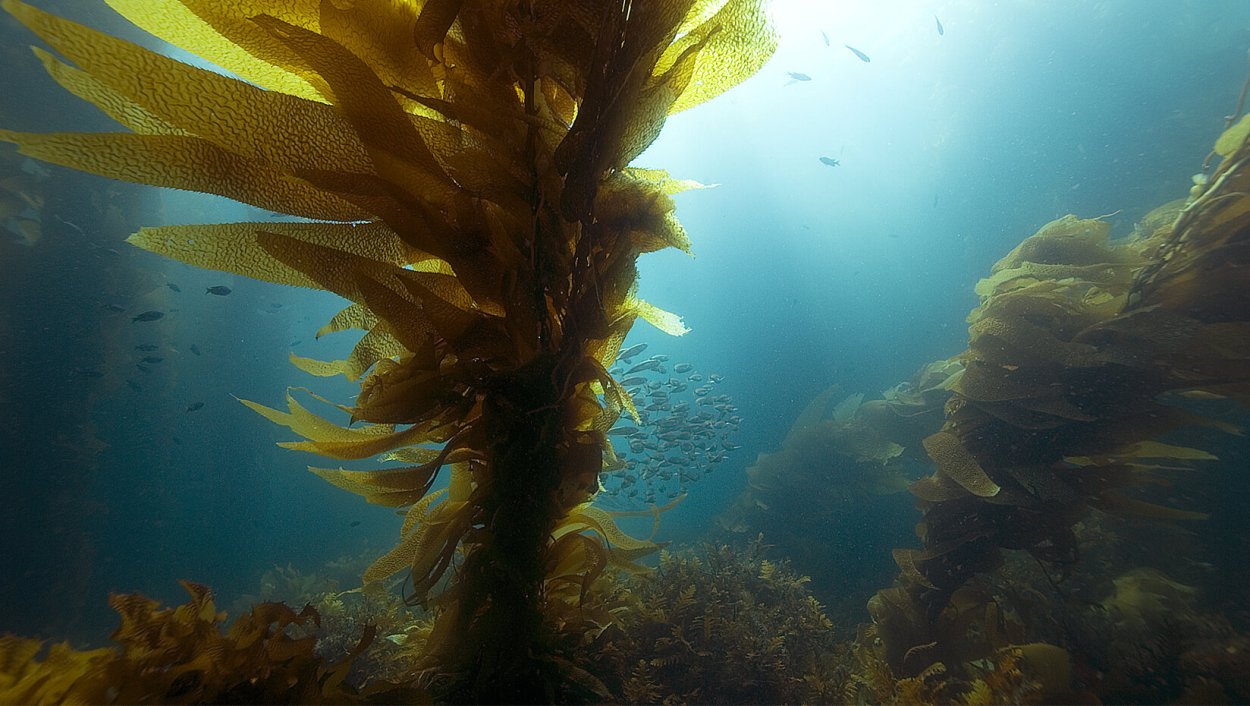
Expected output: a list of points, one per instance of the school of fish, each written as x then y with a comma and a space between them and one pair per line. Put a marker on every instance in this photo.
686, 429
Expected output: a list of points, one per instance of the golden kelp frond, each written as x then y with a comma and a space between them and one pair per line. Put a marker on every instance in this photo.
1233, 138
182, 96
741, 43
416, 524
329, 439
395, 487
665, 321
186, 163
220, 32
111, 103
237, 247
355, 316
623, 549
955, 463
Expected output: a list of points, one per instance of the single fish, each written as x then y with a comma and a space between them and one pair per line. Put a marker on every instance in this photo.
152, 359
862, 56
143, 368
1201, 395
134, 386
173, 287
194, 406
683, 368
796, 76
88, 373
147, 347
644, 365
830, 161
195, 349
62, 220
148, 316
219, 290
622, 431
824, 37
632, 351
113, 308
939, 26
355, 523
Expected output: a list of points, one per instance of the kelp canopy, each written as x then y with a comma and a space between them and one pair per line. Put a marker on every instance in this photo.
465, 163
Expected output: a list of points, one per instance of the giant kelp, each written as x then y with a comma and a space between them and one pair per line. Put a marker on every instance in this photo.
1072, 353
467, 165
834, 474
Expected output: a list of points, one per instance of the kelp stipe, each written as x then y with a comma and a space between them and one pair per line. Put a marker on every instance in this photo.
467, 166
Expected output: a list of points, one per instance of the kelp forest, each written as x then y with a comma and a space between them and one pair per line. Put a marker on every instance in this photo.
462, 174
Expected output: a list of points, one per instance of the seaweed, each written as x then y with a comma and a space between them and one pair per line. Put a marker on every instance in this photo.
842, 467
180, 655
466, 168
1075, 352
722, 624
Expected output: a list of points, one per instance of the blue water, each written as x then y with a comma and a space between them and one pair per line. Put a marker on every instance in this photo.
952, 149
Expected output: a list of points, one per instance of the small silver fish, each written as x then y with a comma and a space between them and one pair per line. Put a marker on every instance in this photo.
862, 56
644, 365
630, 352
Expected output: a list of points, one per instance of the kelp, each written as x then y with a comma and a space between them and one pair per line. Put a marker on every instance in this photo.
1073, 352
182, 656
465, 166
839, 468
855, 449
